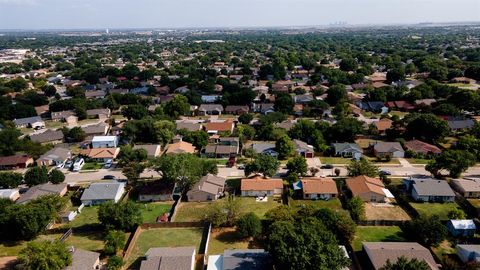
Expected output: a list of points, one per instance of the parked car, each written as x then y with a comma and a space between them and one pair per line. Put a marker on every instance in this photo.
68, 164
385, 172
241, 167
108, 164
78, 164
60, 166
231, 162
108, 177
327, 166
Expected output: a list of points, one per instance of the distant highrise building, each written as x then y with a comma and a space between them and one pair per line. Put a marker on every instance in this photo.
107, 31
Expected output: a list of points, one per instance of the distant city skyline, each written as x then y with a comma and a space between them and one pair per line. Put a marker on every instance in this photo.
115, 14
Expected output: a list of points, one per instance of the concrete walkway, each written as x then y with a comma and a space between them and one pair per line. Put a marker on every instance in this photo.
404, 163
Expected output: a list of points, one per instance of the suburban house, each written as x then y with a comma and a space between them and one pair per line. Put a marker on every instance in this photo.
257, 186
180, 147
467, 187
50, 136
99, 113
96, 94
105, 142
210, 109
423, 148
379, 252
259, 147
153, 150
226, 147
62, 115
304, 149
468, 253
96, 130
209, 188
319, 188
156, 191
188, 126
9, 194
460, 124
234, 259
373, 106
390, 149
101, 154
429, 190
368, 189
178, 258
102, 192
83, 259
401, 105
266, 108
382, 125
29, 122
15, 162
461, 227
54, 157
218, 127
348, 150
236, 110
38, 191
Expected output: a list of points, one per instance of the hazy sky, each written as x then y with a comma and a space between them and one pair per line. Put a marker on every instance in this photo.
67, 14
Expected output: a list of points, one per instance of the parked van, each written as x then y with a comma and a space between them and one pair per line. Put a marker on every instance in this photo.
77, 166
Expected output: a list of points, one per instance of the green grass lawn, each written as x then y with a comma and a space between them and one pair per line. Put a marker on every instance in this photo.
13, 248
383, 161
333, 204
150, 211
191, 211
335, 160
439, 209
165, 237
474, 202
88, 216
219, 161
376, 234
91, 166
54, 124
418, 160
248, 204
227, 238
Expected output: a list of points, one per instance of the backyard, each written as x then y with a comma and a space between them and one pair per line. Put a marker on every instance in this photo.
150, 211
333, 204
191, 211
439, 209
227, 238
376, 234
164, 237
385, 212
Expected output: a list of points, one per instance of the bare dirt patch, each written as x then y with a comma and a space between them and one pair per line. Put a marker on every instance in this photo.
385, 212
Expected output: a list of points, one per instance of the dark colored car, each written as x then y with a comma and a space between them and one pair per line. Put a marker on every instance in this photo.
109, 177
327, 166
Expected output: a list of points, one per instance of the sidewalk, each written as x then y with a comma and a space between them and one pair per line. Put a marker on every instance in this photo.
404, 163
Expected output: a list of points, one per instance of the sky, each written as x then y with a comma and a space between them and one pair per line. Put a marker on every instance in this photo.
99, 14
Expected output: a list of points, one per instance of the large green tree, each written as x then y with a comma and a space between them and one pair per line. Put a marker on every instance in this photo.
426, 127
120, 216
36, 176
297, 165
45, 255
403, 263
362, 167
284, 147
428, 230
264, 164
177, 106
455, 161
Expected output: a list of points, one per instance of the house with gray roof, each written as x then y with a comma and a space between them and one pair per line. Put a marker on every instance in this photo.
245, 259
460, 124
391, 149
260, 147
467, 187
62, 115
102, 192
208, 188
38, 191
190, 126
29, 122
49, 136
55, 156
99, 113
96, 130
468, 253
83, 259
429, 190
153, 150
347, 150
95, 94
210, 109
168, 258
304, 149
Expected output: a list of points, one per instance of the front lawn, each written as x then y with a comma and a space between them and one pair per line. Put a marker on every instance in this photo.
164, 237
335, 160
91, 166
439, 209
376, 234
418, 161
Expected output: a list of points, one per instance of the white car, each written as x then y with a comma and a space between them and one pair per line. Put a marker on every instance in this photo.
108, 164
60, 166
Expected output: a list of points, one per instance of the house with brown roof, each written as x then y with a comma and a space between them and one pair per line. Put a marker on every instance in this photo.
379, 252
101, 154
188, 126
319, 188
61, 116
38, 191
99, 113
225, 148
383, 124
258, 186
180, 147
178, 258
208, 188
48, 137
467, 187
304, 149
391, 149
401, 105
15, 162
369, 189
236, 110
96, 130
156, 191
153, 150
423, 148
219, 127
83, 259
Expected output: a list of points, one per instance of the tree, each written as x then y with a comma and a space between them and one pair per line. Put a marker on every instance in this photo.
120, 216
284, 103
184, 169
45, 255
348, 64
456, 214
249, 225
335, 94
199, 138
128, 155
177, 106
10, 179
164, 131
297, 165
76, 134
36, 176
356, 207
362, 167
264, 164
305, 244
132, 171
245, 118
426, 127
428, 230
224, 213
403, 263
284, 147
455, 161
216, 215
345, 130
396, 74
114, 241
115, 263
56, 176
135, 111
339, 223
